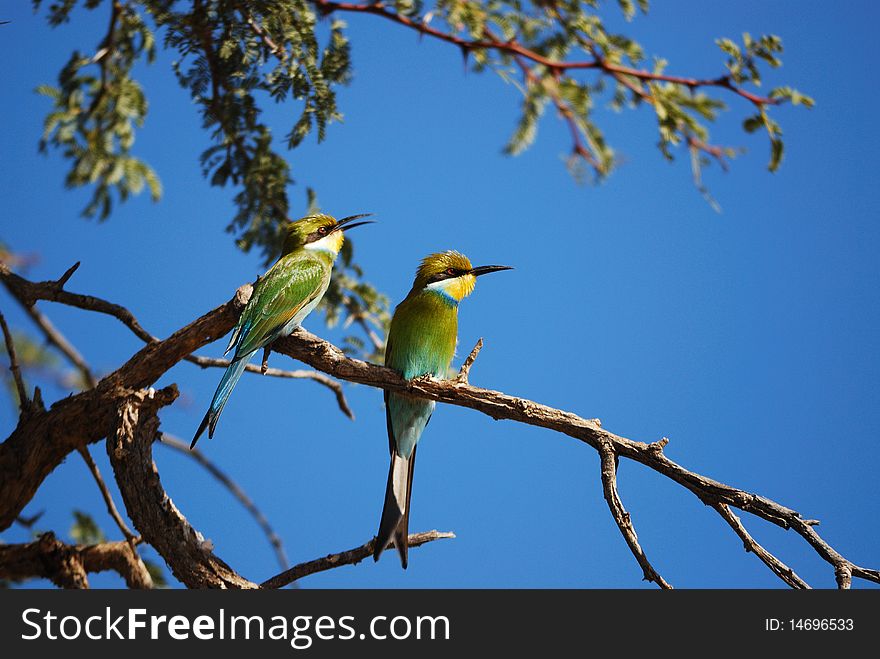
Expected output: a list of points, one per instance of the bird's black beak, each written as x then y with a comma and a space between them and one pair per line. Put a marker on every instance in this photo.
486, 269
346, 222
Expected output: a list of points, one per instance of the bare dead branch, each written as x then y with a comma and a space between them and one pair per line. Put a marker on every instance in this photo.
67, 566
274, 540
325, 357
37, 445
778, 568
23, 400
350, 557
623, 518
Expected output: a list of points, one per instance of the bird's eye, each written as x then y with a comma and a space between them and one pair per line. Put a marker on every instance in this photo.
322, 230
450, 271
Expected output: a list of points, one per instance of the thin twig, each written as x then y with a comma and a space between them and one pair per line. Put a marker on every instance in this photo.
465, 370
350, 557
778, 568
258, 29
130, 536
300, 374
28, 522
23, 400
273, 538
356, 314
57, 339
623, 518
131, 539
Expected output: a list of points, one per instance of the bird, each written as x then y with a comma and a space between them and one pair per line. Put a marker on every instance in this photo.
282, 298
421, 341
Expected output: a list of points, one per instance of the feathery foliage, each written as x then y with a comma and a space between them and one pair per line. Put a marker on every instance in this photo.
235, 55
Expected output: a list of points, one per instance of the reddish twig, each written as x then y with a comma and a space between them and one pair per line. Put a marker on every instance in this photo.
512, 47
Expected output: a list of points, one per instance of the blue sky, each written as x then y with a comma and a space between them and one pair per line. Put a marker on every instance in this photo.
749, 337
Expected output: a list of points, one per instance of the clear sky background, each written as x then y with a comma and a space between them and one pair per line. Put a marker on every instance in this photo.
749, 337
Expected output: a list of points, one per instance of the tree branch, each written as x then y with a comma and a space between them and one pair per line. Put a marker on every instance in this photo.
465, 370
325, 357
29, 292
185, 550
779, 568
65, 347
40, 442
514, 48
350, 557
67, 565
23, 400
235, 489
624, 521
105, 494
37, 445
299, 374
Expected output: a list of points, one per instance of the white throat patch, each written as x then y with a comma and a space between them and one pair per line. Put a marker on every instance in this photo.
326, 244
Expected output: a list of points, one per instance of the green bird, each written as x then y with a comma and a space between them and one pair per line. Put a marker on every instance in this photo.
282, 298
422, 340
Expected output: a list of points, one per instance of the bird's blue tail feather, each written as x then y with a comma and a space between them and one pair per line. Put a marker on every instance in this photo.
224, 389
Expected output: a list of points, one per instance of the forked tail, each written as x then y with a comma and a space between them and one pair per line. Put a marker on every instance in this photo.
395, 514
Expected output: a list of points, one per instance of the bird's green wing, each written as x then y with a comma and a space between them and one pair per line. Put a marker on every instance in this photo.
290, 285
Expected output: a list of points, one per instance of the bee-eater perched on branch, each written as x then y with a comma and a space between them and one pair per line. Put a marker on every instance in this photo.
282, 298
422, 340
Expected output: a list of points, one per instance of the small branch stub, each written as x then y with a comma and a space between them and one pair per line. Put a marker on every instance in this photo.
463, 374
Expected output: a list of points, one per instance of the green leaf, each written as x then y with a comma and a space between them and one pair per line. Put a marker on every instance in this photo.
85, 530
776, 151
753, 123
